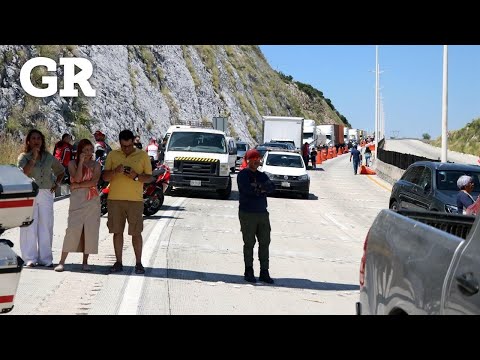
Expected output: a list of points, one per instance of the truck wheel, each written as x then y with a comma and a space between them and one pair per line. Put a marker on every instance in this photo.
394, 206
225, 193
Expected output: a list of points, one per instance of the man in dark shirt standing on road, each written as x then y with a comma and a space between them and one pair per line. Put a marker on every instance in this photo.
357, 159
253, 187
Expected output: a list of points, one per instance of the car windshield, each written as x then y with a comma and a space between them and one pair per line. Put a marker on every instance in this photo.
197, 142
447, 179
277, 145
241, 147
294, 161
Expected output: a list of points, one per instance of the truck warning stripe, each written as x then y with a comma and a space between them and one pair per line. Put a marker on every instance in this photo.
16, 203
186, 158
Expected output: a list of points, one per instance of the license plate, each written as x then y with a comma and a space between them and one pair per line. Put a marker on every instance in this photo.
285, 184
195, 183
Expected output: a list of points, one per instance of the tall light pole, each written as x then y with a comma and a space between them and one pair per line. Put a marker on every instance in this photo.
445, 104
377, 80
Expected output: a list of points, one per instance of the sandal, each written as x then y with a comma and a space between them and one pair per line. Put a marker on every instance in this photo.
117, 267
139, 269
59, 268
86, 267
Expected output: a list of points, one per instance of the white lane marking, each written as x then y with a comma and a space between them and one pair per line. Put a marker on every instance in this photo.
133, 290
335, 221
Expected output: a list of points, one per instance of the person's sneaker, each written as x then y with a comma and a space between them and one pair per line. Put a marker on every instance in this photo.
139, 269
265, 277
249, 276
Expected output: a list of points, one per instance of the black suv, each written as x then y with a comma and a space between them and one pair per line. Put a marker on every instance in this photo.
432, 186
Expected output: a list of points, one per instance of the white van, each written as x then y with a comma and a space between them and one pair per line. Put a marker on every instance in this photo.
199, 159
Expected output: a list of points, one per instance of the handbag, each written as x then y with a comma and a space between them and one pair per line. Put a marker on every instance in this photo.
473, 209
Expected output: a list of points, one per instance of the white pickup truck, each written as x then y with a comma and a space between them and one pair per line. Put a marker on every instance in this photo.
200, 159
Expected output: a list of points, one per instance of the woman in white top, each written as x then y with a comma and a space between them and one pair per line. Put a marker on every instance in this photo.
152, 149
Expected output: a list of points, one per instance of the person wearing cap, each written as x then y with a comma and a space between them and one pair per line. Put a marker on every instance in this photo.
253, 187
100, 143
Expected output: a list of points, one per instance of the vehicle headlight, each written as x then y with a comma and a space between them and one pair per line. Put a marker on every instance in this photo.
303, 177
224, 170
169, 163
270, 176
451, 209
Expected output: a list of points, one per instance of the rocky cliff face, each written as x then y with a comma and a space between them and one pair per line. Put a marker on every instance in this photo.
148, 88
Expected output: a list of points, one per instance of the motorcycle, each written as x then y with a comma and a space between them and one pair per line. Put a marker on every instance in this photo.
153, 193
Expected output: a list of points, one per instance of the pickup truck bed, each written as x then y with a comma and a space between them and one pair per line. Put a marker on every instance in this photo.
458, 225
421, 263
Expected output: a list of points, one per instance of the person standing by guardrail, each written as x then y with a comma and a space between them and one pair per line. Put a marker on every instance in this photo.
37, 163
253, 187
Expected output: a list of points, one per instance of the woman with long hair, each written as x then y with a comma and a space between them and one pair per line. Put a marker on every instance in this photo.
84, 211
39, 164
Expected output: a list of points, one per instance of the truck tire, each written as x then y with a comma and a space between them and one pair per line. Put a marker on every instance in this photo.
225, 193
394, 206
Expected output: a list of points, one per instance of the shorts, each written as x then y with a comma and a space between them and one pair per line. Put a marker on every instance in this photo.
121, 210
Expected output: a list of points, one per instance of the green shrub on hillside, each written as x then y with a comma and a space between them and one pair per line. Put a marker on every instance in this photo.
465, 140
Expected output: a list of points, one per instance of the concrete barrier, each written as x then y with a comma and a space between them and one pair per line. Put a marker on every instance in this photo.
387, 172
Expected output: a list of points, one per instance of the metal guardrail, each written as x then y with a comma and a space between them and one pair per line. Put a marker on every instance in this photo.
400, 160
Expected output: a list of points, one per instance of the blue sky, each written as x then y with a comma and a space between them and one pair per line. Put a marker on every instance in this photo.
411, 82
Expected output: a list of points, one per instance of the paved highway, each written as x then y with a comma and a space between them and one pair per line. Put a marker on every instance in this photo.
194, 262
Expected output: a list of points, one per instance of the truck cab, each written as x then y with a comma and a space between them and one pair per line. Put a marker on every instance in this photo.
199, 160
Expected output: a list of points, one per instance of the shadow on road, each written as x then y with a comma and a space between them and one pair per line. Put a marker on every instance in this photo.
201, 194
190, 275
172, 208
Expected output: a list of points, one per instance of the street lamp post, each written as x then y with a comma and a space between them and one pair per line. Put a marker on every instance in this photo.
445, 104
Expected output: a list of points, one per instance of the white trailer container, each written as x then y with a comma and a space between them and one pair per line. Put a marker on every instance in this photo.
283, 128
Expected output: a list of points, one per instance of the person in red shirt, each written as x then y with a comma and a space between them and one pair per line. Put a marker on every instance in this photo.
63, 150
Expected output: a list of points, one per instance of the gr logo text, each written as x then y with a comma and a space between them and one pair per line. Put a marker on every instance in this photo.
69, 79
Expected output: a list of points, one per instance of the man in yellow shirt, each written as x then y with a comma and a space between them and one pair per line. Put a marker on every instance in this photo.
127, 169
